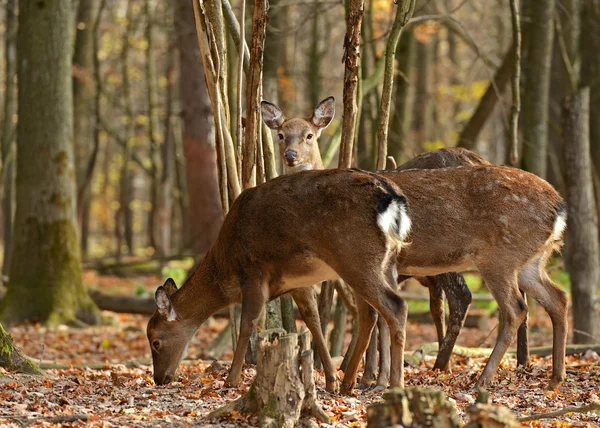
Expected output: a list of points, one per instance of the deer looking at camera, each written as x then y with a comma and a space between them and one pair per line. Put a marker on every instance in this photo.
504, 221
279, 237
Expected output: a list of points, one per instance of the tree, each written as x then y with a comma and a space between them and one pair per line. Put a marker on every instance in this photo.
198, 135
83, 109
45, 274
582, 253
536, 74
8, 131
590, 70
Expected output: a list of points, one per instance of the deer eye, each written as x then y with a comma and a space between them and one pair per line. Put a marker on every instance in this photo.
309, 136
156, 344
280, 135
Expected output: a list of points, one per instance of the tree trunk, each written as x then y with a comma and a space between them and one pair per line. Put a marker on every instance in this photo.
423, 107
582, 225
205, 213
354, 14
536, 89
83, 110
153, 126
403, 98
11, 357
45, 275
167, 181
590, 70
124, 220
8, 133
338, 333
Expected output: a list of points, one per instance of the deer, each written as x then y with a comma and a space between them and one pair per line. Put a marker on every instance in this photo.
300, 151
283, 236
526, 268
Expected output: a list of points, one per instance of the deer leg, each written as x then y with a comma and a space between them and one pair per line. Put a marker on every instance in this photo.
306, 299
504, 288
253, 303
369, 373
436, 305
459, 300
367, 317
534, 281
523, 340
385, 361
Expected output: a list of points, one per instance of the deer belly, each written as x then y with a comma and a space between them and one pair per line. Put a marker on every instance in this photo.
312, 273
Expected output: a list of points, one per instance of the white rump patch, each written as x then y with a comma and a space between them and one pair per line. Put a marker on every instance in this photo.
395, 214
559, 226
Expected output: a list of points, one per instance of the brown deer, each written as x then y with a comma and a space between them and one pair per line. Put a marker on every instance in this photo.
300, 151
279, 237
504, 221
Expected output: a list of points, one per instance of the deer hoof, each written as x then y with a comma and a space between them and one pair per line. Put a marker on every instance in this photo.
347, 389
553, 384
332, 386
231, 383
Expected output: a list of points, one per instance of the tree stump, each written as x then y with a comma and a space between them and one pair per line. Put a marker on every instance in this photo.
413, 407
483, 414
283, 393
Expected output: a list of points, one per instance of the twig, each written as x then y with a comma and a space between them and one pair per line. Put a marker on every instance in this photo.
49, 419
591, 407
516, 99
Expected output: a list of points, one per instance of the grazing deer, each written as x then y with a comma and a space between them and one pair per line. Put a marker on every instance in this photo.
504, 221
300, 151
289, 233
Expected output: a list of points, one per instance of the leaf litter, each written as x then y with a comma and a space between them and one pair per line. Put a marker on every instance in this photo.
116, 388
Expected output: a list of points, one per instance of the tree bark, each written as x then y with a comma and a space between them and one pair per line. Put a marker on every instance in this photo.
45, 275
582, 225
153, 125
83, 87
590, 70
8, 133
403, 98
536, 90
124, 215
354, 14
403, 14
11, 357
204, 212
167, 181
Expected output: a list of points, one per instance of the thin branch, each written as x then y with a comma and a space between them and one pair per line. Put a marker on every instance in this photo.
458, 28
516, 101
591, 407
403, 14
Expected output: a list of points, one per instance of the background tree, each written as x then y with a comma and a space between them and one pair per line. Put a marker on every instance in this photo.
45, 275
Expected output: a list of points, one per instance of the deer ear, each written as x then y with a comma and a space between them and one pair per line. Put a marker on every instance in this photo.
163, 304
170, 286
272, 115
324, 112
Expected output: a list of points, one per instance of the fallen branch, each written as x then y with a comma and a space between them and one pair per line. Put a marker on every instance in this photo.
591, 407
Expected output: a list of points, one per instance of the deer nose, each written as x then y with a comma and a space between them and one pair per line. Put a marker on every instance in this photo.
162, 380
290, 155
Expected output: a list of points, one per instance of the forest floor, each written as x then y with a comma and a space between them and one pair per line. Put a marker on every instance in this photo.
98, 391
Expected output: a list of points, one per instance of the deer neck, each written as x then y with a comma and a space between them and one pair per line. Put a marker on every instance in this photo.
204, 293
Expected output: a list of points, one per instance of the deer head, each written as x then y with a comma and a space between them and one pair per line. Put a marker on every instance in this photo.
298, 136
168, 334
